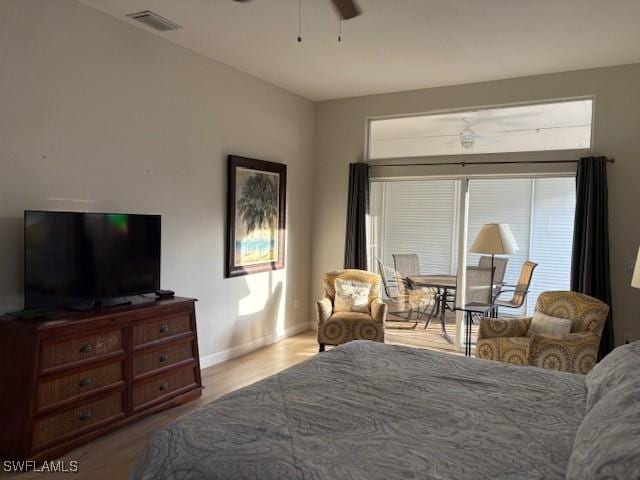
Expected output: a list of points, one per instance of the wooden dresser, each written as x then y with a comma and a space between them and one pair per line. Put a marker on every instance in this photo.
75, 376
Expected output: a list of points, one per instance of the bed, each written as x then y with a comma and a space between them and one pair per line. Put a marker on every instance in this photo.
367, 410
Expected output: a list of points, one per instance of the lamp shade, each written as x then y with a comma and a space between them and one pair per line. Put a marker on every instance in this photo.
495, 238
635, 282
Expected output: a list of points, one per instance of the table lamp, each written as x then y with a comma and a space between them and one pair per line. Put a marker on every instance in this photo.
497, 239
635, 281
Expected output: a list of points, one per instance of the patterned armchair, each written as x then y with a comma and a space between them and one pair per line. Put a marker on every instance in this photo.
336, 328
506, 340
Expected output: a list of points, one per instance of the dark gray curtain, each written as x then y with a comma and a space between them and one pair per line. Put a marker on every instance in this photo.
590, 259
355, 247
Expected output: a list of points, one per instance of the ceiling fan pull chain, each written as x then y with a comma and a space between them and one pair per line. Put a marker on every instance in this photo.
299, 21
340, 31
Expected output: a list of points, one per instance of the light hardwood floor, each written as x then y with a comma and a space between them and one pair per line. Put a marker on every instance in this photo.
398, 332
112, 457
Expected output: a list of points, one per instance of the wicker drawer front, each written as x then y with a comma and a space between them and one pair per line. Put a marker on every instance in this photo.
55, 354
149, 361
63, 388
163, 384
161, 328
78, 418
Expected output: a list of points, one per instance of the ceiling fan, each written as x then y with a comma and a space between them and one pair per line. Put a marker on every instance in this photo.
468, 136
346, 8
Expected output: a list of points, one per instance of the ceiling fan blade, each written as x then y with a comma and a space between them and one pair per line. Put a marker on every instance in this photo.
347, 8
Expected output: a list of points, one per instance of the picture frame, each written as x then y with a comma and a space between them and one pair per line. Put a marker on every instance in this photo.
256, 216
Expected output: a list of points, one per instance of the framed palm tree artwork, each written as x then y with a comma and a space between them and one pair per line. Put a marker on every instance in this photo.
256, 209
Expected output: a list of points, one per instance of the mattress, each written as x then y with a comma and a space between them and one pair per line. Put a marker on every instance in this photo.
368, 410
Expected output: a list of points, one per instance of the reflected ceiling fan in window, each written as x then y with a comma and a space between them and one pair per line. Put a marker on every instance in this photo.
468, 136
347, 9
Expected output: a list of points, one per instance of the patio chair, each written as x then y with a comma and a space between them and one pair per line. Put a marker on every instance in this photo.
520, 291
402, 301
500, 265
478, 299
407, 265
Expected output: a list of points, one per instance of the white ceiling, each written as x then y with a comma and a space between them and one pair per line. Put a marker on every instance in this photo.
398, 44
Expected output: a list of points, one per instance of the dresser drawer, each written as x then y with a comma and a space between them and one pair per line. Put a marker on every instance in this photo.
144, 362
161, 385
78, 418
56, 353
163, 327
63, 388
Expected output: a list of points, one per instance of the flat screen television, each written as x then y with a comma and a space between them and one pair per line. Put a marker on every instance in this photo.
73, 258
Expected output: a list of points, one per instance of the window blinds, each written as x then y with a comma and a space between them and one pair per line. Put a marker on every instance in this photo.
418, 217
540, 212
554, 201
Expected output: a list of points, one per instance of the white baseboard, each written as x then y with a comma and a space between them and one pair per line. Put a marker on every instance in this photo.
215, 358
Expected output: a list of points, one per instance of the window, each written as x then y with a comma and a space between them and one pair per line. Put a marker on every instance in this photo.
564, 125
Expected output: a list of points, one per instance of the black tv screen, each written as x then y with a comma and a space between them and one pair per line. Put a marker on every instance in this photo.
76, 257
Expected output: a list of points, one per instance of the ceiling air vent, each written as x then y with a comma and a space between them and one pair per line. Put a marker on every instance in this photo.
153, 20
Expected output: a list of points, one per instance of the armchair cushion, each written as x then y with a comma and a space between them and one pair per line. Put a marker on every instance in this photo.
544, 324
343, 327
575, 352
350, 316
503, 327
504, 349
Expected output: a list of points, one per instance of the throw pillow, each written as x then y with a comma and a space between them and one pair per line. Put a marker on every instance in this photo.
351, 296
543, 324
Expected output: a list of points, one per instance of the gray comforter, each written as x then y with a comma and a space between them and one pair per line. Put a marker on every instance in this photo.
373, 411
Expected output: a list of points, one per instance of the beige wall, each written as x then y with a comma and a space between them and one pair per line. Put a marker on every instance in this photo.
340, 133
98, 115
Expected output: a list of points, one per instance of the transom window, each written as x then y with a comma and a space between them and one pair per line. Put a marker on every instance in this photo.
562, 125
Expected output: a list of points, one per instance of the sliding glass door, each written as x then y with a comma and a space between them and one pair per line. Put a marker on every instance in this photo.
433, 217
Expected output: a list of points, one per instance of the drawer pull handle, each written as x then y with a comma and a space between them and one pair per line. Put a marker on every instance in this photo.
85, 348
164, 358
164, 386
85, 382
164, 328
86, 416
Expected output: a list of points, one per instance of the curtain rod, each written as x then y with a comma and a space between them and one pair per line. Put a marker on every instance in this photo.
465, 163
